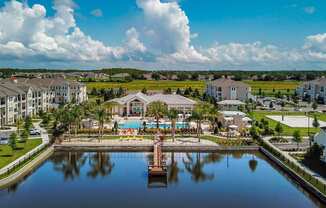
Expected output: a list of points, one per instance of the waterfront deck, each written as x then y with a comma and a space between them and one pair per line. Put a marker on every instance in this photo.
157, 167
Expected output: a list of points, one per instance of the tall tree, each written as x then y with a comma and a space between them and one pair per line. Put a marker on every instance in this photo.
315, 123
24, 136
19, 123
297, 137
279, 128
314, 105
77, 114
199, 114
173, 115
13, 141
213, 115
28, 123
157, 110
100, 115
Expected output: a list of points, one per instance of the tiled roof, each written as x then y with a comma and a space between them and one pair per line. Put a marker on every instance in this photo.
228, 82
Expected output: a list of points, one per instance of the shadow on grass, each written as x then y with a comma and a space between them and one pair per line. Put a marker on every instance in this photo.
7, 155
317, 166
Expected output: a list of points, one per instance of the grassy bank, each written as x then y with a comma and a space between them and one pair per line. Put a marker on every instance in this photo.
7, 155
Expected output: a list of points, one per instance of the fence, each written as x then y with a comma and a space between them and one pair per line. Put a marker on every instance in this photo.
22, 160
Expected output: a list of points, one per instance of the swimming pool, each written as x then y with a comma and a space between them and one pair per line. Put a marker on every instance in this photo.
136, 124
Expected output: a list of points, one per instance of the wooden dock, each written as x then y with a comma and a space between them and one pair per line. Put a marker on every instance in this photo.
158, 166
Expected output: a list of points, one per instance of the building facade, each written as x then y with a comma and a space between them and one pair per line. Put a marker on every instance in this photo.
313, 90
136, 104
227, 89
27, 97
320, 139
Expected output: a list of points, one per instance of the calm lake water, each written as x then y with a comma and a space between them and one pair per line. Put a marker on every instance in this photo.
105, 179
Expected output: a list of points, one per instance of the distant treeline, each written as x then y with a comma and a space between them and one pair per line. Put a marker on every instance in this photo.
184, 75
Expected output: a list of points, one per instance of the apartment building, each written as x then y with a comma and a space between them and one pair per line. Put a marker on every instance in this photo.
22, 97
313, 90
228, 89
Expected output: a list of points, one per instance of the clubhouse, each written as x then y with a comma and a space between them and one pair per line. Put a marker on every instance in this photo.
136, 104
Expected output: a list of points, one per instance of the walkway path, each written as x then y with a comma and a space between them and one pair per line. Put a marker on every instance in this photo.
45, 141
188, 141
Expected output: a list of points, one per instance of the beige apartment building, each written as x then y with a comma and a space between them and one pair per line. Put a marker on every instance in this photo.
26, 97
228, 89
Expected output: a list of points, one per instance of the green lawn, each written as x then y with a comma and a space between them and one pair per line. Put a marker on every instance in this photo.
285, 87
138, 85
267, 87
288, 131
7, 155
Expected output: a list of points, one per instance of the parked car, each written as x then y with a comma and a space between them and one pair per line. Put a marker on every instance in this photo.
34, 132
4, 140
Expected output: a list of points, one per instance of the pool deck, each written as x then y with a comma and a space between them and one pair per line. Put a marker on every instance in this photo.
180, 144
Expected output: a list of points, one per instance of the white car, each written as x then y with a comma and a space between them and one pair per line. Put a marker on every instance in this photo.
3, 140
35, 132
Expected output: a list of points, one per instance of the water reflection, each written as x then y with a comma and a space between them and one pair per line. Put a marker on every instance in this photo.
100, 164
210, 177
195, 166
253, 164
173, 170
69, 163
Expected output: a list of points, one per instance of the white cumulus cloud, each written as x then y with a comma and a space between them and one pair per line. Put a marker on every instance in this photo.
168, 31
30, 36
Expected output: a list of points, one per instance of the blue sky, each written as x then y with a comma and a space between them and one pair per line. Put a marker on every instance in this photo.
184, 34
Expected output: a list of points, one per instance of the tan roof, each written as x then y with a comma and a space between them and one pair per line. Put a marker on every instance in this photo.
228, 82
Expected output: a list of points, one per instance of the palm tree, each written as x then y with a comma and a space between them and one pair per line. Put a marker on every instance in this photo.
67, 119
213, 115
88, 109
173, 115
100, 115
199, 114
77, 114
157, 110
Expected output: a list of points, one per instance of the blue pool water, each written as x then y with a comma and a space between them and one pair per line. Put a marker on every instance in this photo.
136, 124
